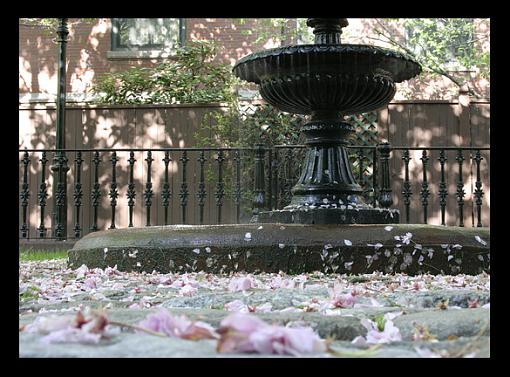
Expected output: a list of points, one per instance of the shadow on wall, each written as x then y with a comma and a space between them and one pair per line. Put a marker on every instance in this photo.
416, 124
87, 47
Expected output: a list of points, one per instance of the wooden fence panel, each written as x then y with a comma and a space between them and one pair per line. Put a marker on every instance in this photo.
425, 124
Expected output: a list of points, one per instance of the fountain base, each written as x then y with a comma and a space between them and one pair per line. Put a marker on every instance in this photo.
291, 248
354, 215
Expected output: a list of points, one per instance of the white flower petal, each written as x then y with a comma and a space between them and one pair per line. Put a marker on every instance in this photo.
359, 341
484, 243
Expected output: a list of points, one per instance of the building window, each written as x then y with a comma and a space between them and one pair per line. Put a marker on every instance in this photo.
146, 34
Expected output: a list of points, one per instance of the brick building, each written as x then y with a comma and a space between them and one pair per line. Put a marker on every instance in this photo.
111, 45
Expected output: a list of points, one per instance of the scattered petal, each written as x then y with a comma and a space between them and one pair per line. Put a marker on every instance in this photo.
237, 306
359, 341
177, 326
248, 334
241, 284
81, 271
72, 335
188, 290
479, 239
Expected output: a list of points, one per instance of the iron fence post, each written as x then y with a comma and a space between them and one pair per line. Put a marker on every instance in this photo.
406, 191
59, 167
478, 191
385, 194
443, 188
42, 194
425, 193
259, 190
25, 194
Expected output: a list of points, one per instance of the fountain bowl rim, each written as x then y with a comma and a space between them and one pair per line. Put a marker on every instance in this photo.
407, 74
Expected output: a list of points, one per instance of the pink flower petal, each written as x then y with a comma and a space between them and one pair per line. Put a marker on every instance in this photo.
81, 271
243, 323
237, 306
246, 333
241, 284
90, 283
188, 290
177, 326
72, 335
359, 341
46, 325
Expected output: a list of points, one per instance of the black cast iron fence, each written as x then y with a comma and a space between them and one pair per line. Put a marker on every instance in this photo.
126, 187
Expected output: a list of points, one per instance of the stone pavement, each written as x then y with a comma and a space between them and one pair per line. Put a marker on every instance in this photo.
436, 315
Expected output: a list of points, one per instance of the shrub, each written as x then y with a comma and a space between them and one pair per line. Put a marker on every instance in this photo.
190, 77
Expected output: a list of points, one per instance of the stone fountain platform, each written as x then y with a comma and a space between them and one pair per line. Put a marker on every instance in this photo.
291, 248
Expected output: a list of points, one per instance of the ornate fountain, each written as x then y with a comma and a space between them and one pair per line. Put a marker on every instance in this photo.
327, 80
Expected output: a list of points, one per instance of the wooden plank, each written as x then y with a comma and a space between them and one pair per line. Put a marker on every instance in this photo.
416, 136
480, 137
72, 119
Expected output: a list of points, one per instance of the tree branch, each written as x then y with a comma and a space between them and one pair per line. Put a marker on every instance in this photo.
431, 64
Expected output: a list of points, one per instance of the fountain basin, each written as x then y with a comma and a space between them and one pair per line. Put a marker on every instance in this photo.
348, 78
291, 248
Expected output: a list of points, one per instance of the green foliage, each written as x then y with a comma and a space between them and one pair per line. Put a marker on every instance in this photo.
445, 41
31, 293
282, 30
36, 255
50, 23
380, 321
191, 77
44, 22
441, 45
48, 26
241, 127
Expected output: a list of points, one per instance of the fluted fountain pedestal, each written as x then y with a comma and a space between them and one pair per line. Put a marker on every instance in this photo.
327, 192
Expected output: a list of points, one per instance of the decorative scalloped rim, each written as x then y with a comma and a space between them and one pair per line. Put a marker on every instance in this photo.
305, 49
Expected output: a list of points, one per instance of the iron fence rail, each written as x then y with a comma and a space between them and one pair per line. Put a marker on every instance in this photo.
231, 182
